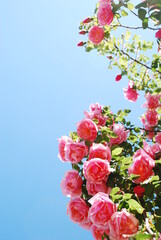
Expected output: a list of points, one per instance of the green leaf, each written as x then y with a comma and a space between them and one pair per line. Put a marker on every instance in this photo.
106, 34
145, 23
141, 13
134, 205
127, 160
127, 196
124, 13
114, 191
143, 4
134, 176
143, 236
154, 178
117, 151
158, 161
130, 6
117, 196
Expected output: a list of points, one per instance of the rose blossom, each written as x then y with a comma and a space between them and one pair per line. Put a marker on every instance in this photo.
148, 149
99, 117
121, 224
104, 13
147, 127
78, 210
75, 151
96, 169
100, 151
151, 150
122, 134
87, 130
158, 138
62, 143
158, 34
96, 108
130, 92
87, 225
96, 113
98, 233
139, 191
151, 117
142, 165
101, 210
71, 184
96, 35
152, 101
95, 187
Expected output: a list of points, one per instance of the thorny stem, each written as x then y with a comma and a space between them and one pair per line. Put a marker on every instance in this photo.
135, 60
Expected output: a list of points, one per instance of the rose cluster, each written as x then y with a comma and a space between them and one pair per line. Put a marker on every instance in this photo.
91, 205
151, 117
105, 17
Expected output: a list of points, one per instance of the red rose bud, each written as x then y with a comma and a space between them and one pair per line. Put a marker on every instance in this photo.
80, 44
118, 77
158, 34
139, 191
82, 32
87, 20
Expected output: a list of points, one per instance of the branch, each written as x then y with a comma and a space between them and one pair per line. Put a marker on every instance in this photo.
135, 60
143, 129
135, 28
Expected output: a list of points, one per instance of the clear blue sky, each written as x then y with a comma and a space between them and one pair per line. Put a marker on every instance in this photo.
46, 82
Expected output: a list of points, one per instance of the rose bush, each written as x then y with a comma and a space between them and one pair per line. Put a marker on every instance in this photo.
115, 181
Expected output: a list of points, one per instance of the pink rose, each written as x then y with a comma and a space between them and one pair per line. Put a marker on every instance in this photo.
158, 138
139, 191
95, 187
152, 101
96, 113
75, 151
151, 117
98, 233
96, 169
62, 143
87, 130
71, 184
99, 117
121, 224
101, 210
96, 35
78, 210
87, 225
100, 151
104, 13
130, 92
158, 34
148, 149
96, 108
148, 128
121, 133
142, 165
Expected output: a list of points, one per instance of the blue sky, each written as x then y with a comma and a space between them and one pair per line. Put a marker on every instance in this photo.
46, 82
